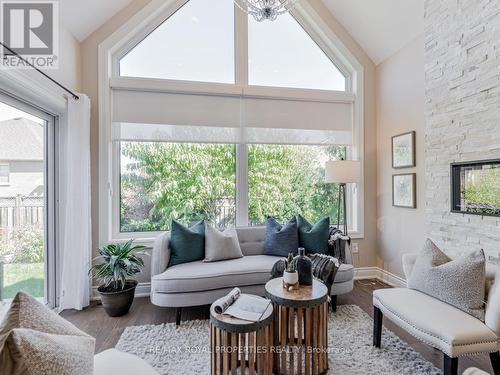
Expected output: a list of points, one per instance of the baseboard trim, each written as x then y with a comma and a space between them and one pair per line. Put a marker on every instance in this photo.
142, 290
391, 279
360, 273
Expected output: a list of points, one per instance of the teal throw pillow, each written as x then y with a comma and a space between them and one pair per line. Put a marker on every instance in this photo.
314, 238
186, 244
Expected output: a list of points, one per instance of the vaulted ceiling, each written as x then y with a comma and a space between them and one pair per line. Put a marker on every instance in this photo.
83, 17
381, 27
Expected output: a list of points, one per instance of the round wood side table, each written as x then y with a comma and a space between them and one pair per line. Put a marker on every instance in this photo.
237, 343
300, 334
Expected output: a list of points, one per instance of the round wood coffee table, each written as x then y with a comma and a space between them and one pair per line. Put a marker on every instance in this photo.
241, 343
300, 333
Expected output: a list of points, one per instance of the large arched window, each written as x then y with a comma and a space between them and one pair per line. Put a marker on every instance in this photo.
197, 43
282, 54
215, 116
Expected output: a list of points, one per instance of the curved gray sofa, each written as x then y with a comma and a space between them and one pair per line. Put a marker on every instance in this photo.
198, 283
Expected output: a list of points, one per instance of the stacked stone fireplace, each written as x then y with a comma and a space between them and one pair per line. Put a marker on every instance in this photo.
462, 82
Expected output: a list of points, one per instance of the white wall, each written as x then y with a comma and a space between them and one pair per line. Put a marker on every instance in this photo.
70, 60
400, 108
69, 71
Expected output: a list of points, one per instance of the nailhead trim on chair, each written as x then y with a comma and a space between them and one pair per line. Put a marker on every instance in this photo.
497, 342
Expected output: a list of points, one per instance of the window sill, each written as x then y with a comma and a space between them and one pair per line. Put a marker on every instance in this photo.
357, 235
148, 239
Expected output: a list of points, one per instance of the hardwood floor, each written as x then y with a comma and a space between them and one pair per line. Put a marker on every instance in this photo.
107, 331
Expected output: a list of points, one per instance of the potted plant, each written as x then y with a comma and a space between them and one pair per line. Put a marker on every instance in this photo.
120, 262
290, 275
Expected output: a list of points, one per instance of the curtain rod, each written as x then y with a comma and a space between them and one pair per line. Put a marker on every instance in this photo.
41, 72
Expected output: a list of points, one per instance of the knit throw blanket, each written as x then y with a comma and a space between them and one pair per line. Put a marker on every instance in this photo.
337, 243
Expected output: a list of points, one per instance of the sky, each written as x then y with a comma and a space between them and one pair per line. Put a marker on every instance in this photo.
197, 44
7, 113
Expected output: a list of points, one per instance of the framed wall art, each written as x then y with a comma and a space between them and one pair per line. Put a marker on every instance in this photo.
403, 150
404, 190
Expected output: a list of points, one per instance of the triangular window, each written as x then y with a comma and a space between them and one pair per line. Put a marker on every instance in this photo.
282, 54
195, 44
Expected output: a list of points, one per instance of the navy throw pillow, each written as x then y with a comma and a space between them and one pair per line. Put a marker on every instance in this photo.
186, 244
314, 238
281, 239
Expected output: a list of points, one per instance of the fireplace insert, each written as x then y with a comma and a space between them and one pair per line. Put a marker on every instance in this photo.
475, 187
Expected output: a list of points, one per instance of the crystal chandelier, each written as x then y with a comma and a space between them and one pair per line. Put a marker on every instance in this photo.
265, 9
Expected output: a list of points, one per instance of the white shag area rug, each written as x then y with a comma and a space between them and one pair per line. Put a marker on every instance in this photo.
186, 349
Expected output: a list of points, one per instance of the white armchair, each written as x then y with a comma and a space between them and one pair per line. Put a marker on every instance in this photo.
440, 325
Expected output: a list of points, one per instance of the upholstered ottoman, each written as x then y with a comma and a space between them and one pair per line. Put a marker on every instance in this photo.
440, 325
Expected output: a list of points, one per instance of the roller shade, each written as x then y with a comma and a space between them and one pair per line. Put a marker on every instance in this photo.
173, 117
176, 109
140, 132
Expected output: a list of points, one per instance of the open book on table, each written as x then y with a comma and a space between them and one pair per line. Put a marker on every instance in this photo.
242, 306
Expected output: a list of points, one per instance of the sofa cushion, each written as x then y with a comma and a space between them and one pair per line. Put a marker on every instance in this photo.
434, 322
314, 238
251, 239
344, 273
200, 276
186, 244
113, 361
160, 254
459, 282
281, 239
221, 245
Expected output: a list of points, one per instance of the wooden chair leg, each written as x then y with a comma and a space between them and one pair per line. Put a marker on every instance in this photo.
377, 326
178, 312
450, 365
333, 303
495, 362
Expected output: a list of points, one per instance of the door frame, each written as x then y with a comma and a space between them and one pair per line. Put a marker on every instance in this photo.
50, 173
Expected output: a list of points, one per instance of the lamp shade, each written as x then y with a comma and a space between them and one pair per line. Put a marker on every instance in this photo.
342, 171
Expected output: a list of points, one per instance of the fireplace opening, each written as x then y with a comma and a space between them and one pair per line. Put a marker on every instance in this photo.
475, 187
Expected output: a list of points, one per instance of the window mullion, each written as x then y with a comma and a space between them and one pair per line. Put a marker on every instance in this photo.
241, 46
241, 79
242, 185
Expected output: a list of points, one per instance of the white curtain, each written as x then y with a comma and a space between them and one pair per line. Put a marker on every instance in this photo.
75, 221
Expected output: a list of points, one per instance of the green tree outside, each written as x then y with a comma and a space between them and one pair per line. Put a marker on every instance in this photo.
482, 191
187, 182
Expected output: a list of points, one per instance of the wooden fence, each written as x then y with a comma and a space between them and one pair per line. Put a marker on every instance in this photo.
19, 211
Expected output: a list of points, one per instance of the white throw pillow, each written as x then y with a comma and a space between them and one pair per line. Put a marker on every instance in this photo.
221, 245
459, 282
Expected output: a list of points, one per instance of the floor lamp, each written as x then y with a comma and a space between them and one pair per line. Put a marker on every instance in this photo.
342, 172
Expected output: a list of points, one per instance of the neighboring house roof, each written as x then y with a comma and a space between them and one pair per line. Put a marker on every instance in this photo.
21, 139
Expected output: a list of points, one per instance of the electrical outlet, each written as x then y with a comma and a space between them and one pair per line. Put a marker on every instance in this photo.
494, 259
355, 247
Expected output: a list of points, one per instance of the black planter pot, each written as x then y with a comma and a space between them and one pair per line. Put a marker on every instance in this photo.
118, 302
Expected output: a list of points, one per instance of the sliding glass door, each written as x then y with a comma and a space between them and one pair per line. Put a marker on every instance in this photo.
27, 256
